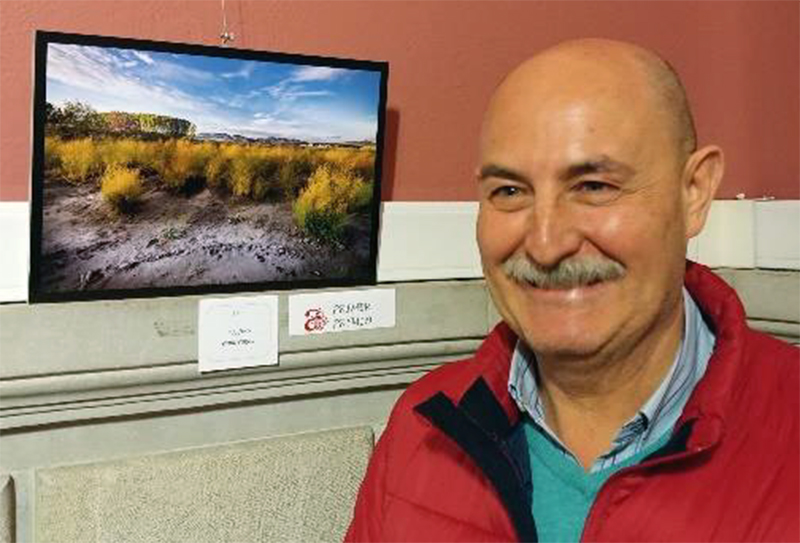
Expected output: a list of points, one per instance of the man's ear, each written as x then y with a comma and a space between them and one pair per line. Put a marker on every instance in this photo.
701, 177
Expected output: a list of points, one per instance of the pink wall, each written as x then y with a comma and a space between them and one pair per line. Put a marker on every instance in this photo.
740, 62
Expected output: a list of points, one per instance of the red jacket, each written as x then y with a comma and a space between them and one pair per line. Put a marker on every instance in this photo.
444, 469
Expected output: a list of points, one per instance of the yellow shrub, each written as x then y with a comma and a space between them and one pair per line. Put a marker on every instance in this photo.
117, 152
121, 187
128, 152
79, 160
52, 155
144, 154
362, 162
337, 156
363, 196
148, 153
240, 182
250, 172
218, 171
181, 161
266, 170
203, 152
323, 206
295, 171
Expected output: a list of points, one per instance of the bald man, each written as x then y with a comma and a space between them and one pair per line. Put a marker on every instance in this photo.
623, 397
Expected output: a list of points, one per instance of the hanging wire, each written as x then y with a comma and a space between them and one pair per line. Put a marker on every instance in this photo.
226, 36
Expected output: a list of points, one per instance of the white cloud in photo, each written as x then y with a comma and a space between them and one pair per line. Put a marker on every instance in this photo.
144, 57
236, 100
244, 72
295, 86
317, 73
93, 72
311, 124
175, 72
287, 91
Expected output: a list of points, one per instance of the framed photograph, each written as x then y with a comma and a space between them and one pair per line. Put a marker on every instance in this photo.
168, 169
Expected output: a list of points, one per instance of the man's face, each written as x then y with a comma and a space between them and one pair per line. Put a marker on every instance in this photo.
580, 172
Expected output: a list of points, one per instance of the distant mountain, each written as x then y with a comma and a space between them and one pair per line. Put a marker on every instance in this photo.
358, 143
275, 140
238, 138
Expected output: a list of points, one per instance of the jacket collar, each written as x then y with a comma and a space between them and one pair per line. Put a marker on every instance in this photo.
710, 402
494, 358
479, 426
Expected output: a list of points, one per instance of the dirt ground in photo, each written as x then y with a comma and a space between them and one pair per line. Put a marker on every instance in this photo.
176, 240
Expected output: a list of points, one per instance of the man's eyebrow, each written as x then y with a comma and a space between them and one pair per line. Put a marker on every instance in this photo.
601, 164
493, 170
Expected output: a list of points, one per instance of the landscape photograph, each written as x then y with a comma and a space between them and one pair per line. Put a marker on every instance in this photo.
165, 170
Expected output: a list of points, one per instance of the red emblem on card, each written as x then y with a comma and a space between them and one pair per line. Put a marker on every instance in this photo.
315, 320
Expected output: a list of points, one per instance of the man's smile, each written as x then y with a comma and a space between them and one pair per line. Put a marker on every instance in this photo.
566, 294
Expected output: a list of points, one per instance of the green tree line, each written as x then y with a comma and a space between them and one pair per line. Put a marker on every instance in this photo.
79, 120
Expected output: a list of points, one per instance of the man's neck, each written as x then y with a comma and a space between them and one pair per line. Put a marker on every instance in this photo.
588, 400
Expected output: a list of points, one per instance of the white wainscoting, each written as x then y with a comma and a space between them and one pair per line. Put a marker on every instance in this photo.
436, 240
777, 234
428, 240
728, 238
14, 247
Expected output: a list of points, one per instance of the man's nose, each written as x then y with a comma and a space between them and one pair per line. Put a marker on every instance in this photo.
553, 233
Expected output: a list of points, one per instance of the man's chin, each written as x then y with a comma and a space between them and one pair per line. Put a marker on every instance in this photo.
567, 353
563, 346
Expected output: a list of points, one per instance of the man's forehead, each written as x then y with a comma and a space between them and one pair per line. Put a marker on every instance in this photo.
579, 127
569, 103
627, 91
569, 82
572, 59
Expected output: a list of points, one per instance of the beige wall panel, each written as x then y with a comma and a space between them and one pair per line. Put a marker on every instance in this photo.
767, 295
296, 488
8, 511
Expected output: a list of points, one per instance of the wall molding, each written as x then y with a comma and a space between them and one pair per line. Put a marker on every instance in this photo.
307, 364
787, 331
436, 240
72, 398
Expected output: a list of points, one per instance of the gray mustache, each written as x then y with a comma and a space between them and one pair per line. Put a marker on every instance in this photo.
568, 273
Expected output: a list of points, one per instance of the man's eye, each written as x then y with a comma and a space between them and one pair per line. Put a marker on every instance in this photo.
509, 197
596, 192
506, 191
594, 186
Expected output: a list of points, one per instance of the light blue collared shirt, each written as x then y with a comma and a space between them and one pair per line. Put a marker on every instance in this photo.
659, 413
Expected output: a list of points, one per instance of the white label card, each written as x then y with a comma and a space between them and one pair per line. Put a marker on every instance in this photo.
341, 311
237, 332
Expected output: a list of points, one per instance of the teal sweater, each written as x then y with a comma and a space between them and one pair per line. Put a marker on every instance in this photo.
563, 492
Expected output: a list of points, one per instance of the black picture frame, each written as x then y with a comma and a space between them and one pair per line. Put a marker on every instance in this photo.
48, 280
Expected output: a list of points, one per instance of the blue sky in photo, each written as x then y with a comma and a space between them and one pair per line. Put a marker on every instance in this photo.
251, 98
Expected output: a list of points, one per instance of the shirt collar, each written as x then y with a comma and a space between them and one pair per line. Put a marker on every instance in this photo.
656, 416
